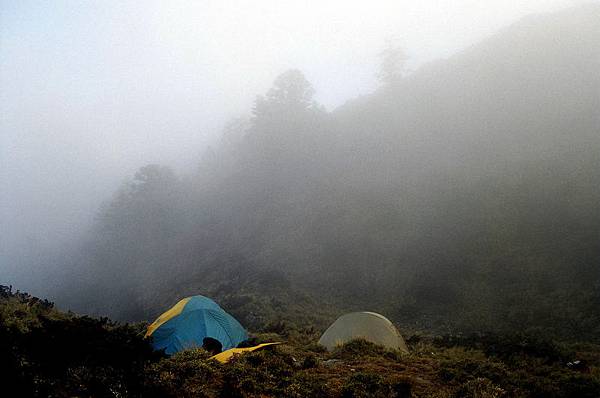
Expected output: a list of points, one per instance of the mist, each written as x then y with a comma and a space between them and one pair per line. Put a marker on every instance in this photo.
133, 142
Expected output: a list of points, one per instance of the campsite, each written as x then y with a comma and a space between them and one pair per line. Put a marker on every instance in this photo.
98, 358
273, 198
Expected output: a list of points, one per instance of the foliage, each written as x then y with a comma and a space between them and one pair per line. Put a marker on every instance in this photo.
290, 91
45, 353
479, 388
393, 60
508, 346
48, 353
361, 348
363, 385
185, 374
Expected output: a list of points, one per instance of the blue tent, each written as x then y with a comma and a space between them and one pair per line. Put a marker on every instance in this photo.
192, 319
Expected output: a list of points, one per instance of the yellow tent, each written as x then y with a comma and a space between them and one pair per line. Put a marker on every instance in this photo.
370, 326
225, 356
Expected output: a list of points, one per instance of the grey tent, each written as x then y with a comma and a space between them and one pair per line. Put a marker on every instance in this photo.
370, 326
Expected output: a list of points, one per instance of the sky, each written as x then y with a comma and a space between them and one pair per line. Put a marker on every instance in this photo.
92, 90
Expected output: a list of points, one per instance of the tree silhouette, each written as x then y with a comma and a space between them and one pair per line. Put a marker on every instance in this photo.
291, 93
393, 63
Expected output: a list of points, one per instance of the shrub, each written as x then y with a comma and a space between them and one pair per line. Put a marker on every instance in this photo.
259, 373
366, 385
479, 388
47, 353
463, 368
186, 374
507, 347
305, 385
358, 348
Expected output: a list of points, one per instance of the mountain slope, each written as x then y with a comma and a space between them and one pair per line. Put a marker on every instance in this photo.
466, 196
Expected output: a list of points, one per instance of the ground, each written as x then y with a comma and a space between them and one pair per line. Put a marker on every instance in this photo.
48, 353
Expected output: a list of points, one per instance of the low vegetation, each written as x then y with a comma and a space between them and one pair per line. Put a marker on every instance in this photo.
48, 353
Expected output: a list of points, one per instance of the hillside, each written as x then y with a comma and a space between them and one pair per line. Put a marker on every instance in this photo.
46, 353
464, 198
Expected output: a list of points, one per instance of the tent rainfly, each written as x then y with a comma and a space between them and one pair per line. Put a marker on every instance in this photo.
370, 326
225, 356
192, 320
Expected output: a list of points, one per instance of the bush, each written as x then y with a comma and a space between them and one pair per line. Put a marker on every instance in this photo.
259, 373
480, 388
366, 385
507, 347
186, 374
462, 368
359, 348
46, 353
305, 385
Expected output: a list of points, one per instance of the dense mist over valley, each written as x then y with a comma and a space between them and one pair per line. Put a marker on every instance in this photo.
458, 192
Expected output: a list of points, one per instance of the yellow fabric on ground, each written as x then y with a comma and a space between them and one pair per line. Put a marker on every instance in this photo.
165, 316
225, 356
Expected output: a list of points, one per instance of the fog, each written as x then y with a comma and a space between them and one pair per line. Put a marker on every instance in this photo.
92, 91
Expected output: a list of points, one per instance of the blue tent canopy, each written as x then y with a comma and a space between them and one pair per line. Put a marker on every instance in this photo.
192, 319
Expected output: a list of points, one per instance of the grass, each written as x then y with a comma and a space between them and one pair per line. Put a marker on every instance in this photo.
44, 353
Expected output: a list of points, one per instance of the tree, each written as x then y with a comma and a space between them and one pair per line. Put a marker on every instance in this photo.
291, 92
393, 64
150, 193
152, 177
234, 131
